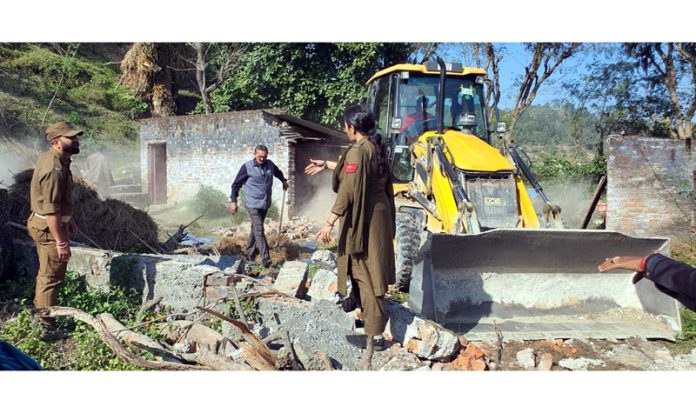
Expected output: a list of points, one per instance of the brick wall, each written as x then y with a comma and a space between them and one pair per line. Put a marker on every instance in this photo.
650, 188
209, 149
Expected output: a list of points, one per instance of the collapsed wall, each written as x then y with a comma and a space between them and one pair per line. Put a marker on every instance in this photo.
180, 281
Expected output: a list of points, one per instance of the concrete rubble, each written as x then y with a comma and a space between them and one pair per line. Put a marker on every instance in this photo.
324, 286
317, 326
581, 363
292, 279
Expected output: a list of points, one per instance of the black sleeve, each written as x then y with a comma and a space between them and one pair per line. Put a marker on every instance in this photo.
238, 182
278, 173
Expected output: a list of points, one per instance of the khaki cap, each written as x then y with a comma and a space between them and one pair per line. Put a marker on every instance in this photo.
58, 129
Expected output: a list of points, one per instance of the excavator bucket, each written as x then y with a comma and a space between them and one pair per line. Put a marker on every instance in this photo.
534, 284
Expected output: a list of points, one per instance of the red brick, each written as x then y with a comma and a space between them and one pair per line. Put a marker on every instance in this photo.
473, 351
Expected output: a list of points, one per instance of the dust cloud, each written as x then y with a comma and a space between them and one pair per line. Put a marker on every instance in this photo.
14, 158
322, 197
573, 196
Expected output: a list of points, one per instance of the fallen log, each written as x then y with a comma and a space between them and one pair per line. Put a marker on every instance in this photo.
112, 342
135, 340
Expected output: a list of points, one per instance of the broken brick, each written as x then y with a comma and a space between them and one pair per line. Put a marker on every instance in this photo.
474, 351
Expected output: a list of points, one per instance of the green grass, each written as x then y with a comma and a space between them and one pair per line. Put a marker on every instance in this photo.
89, 94
687, 338
90, 352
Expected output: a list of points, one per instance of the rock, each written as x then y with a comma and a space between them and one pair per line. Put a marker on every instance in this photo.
324, 259
424, 338
323, 286
204, 337
403, 361
292, 278
545, 362
663, 357
525, 358
311, 359
629, 356
319, 326
581, 363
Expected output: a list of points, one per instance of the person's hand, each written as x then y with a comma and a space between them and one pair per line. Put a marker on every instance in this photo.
325, 233
233, 208
315, 166
63, 249
285, 186
633, 263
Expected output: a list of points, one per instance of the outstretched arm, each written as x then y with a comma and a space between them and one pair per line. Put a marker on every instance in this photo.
315, 166
633, 263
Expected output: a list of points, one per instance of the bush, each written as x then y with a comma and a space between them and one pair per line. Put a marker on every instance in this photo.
210, 202
559, 167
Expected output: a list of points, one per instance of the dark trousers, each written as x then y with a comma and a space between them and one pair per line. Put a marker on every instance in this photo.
257, 237
673, 278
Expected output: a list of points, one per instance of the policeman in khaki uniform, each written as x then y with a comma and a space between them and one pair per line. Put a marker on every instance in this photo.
365, 207
51, 199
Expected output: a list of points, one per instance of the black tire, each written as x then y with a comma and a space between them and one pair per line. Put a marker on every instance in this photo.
408, 236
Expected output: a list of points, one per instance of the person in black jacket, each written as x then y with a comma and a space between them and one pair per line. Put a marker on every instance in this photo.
674, 278
256, 176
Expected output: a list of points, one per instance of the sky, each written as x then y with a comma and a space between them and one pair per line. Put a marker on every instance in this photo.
515, 58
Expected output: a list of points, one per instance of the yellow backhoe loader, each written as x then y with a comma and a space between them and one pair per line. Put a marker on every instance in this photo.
471, 249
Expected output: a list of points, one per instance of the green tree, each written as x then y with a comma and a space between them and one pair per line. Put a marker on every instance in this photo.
620, 96
671, 65
309, 80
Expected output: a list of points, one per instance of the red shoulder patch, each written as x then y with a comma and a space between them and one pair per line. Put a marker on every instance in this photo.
350, 168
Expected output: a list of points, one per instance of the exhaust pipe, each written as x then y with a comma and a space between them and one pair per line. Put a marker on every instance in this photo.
441, 97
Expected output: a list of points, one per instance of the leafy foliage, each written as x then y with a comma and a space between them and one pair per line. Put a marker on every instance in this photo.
550, 125
210, 202
24, 332
86, 92
314, 81
122, 303
560, 167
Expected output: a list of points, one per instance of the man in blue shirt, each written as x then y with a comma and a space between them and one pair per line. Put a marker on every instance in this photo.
256, 176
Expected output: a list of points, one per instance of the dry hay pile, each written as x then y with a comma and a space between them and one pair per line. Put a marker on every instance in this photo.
138, 67
236, 245
110, 224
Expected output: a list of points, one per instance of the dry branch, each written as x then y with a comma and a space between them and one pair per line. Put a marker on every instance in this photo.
136, 341
257, 354
119, 349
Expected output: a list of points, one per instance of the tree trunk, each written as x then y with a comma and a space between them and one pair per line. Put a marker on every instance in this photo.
201, 67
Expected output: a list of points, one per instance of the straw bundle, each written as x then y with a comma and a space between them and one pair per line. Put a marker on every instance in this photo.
111, 224
139, 66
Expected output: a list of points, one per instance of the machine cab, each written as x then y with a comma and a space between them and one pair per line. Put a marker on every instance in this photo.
404, 99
